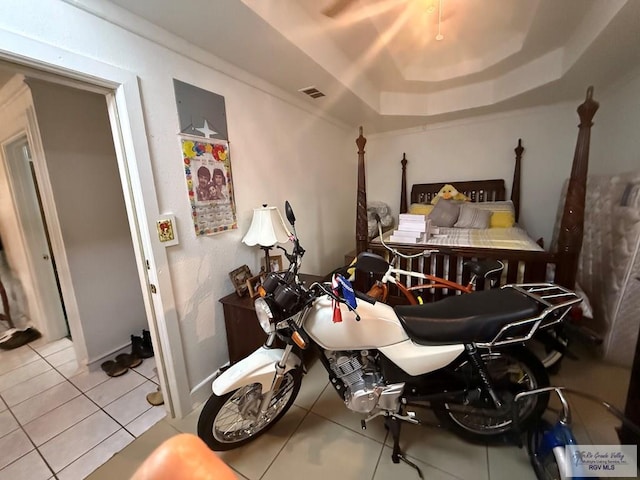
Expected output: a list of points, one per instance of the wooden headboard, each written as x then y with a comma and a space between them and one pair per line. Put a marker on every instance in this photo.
476, 190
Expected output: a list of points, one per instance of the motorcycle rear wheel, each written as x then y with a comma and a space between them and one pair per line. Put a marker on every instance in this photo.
511, 371
231, 421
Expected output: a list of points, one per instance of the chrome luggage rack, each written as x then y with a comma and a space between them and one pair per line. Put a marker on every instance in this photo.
555, 302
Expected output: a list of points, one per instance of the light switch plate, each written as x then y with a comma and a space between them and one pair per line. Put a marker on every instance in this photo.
167, 231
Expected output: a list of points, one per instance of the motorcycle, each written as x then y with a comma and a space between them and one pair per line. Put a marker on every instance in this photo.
463, 357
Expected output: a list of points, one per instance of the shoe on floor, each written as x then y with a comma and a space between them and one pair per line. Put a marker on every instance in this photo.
130, 360
19, 338
155, 398
138, 347
114, 368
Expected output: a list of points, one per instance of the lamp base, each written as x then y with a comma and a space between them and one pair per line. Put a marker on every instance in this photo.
267, 261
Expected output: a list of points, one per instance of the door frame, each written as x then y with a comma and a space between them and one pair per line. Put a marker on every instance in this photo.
124, 105
45, 302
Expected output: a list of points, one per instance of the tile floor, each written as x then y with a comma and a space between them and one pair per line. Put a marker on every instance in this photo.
59, 422
320, 439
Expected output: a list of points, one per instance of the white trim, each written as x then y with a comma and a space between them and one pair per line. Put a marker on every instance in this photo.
125, 108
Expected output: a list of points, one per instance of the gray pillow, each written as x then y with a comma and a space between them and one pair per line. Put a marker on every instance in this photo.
444, 213
472, 217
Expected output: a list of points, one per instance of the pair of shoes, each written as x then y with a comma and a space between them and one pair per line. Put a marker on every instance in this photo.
18, 338
155, 398
141, 346
121, 365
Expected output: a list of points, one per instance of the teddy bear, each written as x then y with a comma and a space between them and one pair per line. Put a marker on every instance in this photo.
449, 192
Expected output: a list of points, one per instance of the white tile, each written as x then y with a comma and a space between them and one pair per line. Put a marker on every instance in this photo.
131, 404
23, 373
53, 347
115, 387
7, 423
97, 456
61, 357
147, 368
44, 428
3, 406
13, 446
69, 369
188, 424
10, 359
147, 420
444, 450
78, 440
31, 467
44, 402
32, 387
508, 462
320, 449
386, 469
87, 379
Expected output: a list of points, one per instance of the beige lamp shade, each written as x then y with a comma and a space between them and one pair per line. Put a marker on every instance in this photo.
267, 228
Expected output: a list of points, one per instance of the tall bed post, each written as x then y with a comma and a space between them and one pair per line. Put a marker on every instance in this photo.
572, 225
515, 187
404, 207
362, 229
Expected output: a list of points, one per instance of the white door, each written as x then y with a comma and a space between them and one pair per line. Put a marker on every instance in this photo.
46, 307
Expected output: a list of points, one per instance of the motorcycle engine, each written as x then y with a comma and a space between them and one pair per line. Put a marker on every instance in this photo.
365, 386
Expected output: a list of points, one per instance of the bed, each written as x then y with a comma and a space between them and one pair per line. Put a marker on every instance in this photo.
528, 263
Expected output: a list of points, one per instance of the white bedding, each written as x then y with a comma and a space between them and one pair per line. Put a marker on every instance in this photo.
514, 238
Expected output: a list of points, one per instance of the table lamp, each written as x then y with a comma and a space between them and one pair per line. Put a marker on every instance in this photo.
267, 228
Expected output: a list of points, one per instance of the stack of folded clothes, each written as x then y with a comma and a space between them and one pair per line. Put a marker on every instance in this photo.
17, 337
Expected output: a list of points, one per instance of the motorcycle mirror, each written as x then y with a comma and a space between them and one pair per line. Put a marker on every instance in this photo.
289, 213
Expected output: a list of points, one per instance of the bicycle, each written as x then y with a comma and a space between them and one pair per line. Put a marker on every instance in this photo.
546, 443
551, 345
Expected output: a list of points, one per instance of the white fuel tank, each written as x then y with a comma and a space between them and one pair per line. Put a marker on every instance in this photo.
378, 326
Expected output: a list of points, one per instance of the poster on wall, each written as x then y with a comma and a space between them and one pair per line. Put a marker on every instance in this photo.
208, 172
206, 159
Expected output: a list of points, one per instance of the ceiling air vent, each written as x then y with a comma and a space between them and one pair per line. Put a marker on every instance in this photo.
313, 92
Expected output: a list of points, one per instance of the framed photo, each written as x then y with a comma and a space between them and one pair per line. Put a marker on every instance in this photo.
252, 285
239, 278
275, 262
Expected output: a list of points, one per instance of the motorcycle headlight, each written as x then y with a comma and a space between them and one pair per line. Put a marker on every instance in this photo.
265, 316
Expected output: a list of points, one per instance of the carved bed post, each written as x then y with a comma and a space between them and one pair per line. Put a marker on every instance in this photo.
515, 187
362, 229
404, 208
572, 225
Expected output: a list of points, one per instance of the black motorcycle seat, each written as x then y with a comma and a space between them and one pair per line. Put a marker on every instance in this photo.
466, 318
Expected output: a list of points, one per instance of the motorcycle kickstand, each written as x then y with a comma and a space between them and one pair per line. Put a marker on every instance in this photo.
393, 425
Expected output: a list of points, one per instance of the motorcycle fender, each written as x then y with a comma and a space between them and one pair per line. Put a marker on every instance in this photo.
259, 367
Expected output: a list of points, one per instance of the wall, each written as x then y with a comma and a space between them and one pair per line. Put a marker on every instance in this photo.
483, 149
83, 171
616, 143
279, 150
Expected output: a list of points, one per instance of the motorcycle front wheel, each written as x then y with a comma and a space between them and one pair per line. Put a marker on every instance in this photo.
232, 420
511, 371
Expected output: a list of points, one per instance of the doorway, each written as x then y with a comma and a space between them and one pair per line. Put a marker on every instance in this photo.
47, 307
